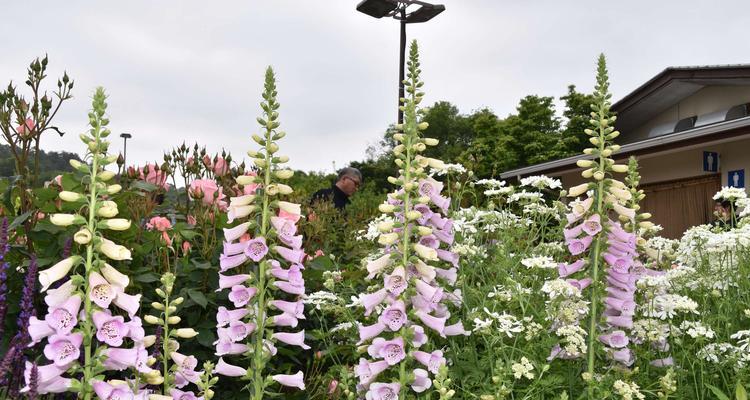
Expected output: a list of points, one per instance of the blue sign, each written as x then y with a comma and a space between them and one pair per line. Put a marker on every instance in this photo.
736, 178
710, 161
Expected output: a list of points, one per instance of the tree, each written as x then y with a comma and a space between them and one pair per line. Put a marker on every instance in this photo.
576, 114
535, 130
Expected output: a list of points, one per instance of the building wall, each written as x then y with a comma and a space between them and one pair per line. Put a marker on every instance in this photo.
682, 164
705, 101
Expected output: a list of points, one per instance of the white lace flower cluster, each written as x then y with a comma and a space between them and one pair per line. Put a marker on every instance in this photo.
730, 193
541, 182
628, 390
522, 369
541, 262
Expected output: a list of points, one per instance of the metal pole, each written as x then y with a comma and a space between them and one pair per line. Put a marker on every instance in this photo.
402, 57
125, 151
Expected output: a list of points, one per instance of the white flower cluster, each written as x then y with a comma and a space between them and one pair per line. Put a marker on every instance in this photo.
573, 340
666, 306
451, 169
696, 330
505, 324
730, 193
321, 299
543, 262
372, 233
628, 390
525, 197
541, 209
560, 288
490, 183
523, 368
541, 182
650, 331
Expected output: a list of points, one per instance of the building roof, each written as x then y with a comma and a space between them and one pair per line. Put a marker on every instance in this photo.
654, 97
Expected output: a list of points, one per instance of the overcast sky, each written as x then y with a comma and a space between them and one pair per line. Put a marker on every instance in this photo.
185, 70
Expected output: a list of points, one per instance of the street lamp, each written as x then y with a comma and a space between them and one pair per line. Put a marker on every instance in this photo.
125, 137
397, 10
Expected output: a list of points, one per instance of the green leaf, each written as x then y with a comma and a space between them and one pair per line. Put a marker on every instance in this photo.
19, 220
202, 265
143, 185
147, 278
740, 392
206, 337
198, 297
717, 392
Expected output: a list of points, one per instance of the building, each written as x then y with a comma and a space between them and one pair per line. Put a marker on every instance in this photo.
689, 127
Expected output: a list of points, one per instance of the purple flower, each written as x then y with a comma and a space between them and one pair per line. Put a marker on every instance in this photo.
421, 381
48, 379
433, 361
295, 308
178, 394
294, 339
296, 380
392, 351
285, 319
372, 300
455, 330
100, 291
227, 281
63, 349
616, 339
435, 323
108, 391
624, 321
256, 249
64, 317
592, 225
110, 330
225, 317
383, 391
366, 371
236, 331
222, 368
394, 316
578, 246
241, 295
228, 262
568, 269
27, 299
294, 256
396, 282
185, 369
121, 359
370, 331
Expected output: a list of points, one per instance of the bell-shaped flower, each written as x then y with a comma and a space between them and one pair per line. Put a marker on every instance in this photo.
455, 330
450, 275
289, 287
225, 316
374, 267
112, 391
234, 248
392, 351
114, 251
55, 297
383, 391
256, 249
120, 359
234, 233
396, 282
48, 379
227, 281
624, 321
432, 294
114, 276
296, 380
421, 380
62, 350
109, 329
57, 271
136, 332
370, 331
295, 308
448, 256
592, 225
185, 369
64, 317
567, 269
366, 371
294, 339
128, 302
429, 187
180, 395
578, 246
285, 319
241, 295
290, 211
38, 330
294, 256
433, 361
225, 347
615, 339
394, 316
100, 291
236, 331
580, 284
624, 356
435, 323
228, 262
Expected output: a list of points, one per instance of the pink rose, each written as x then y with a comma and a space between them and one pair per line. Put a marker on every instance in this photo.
205, 189
160, 224
152, 174
25, 129
221, 167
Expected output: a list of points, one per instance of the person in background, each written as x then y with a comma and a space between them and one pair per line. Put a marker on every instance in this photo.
347, 183
723, 214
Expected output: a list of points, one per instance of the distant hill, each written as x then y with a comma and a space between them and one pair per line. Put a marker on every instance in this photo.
51, 163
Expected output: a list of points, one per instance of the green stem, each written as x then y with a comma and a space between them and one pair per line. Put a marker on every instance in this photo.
165, 344
88, 330
260, 317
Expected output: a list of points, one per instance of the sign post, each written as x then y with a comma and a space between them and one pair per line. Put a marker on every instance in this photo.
710, 161
736, 178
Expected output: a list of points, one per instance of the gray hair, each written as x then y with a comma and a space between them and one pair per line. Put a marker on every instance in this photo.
349, 172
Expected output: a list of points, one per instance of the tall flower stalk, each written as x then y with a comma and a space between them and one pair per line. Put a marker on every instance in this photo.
607, 252
413, 302
267, 255
98, 332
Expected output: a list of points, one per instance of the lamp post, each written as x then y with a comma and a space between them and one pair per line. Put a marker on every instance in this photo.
397, 9
125, 137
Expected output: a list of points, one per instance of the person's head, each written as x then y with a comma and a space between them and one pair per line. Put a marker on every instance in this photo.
722, 208
349, 180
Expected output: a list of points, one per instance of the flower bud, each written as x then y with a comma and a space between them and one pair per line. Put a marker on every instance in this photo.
273, 147
424, 231
173, 320
150, 319
258, 139
282, 159
578, 190
422, 126
186, 333
115, 224
398, 137
260, 162
113, 189
419, 146
607, 152
594, 140
431, 141
621, 168
588, 173
66, 219
385, 227
284, 189
399, 149
79, 166
284, 173
646, 224
157, 305
71, 196
245, 180
83, 236
615, 147
584, 163
159, 397
107, 209
388, 238
411, 215
435, 164
149, 340
252, 153
178, 301
105, 175
171, 309
598, 175
386, 208
646, 215
424, 252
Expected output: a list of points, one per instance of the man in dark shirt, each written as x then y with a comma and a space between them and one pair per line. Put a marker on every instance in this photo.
347, 183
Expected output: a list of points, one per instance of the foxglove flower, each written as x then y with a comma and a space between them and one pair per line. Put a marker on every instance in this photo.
263, 274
